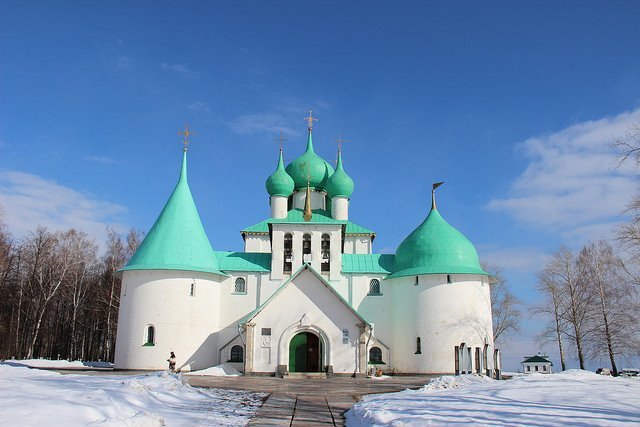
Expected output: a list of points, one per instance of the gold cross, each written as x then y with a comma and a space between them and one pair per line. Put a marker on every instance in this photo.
340, 140
310, 120
281, 139
186, 134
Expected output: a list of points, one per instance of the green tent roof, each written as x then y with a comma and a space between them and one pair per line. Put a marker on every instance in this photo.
435, 247
320, 216
280, 183
312, 165
177, 240
339, 184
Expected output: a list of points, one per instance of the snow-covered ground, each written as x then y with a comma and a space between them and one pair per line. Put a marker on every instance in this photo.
57, 364
32, 397
574, 397
224, 370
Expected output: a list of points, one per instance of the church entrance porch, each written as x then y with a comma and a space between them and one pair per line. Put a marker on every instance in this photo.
305, 353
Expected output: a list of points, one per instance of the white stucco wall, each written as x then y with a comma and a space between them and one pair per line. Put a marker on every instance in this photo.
443, 315
257, 243
185, 324
279, 207
306, 305
357, 245
318, 199
340, 208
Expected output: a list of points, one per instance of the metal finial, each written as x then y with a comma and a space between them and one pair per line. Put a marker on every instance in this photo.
433, 193
186, 134
310, 120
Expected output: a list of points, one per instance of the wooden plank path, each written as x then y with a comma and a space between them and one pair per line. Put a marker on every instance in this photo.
307, 402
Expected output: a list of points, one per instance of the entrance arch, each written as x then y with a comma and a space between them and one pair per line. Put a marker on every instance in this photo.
305, 353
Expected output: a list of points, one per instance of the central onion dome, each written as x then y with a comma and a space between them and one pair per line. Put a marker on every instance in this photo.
339, 184
279, 183
435, 247
311, 165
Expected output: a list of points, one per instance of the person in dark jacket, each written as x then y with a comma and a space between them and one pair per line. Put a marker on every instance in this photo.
172, 362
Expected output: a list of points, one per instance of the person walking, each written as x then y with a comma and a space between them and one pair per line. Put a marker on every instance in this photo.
172, 362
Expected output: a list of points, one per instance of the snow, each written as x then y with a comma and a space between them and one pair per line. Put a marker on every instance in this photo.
574, 397
57, 364
32, 397
223, 370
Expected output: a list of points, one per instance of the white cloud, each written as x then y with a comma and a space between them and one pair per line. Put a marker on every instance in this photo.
523, 259
570, 185
199, 107
30, 201
181, 69
104, 160
264, 123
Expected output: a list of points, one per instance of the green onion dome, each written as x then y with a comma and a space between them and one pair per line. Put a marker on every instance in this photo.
435, 247
339, 184
280, 183
309, 163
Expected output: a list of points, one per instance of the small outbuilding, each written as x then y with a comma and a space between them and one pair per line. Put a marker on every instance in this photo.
536, 363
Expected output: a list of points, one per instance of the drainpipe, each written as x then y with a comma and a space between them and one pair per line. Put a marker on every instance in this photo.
366, 348
244, 344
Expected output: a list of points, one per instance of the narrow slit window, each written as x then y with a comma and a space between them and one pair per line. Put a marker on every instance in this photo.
448, 278
151, 335
192, 290
418, 346
241, 286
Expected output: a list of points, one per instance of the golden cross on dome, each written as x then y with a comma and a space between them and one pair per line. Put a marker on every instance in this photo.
281, 139
310, 120
186, 134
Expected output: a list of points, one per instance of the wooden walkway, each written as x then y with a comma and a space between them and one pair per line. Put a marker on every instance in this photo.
308, 402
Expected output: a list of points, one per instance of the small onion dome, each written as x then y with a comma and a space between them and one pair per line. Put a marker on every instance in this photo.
435, 247
311, 165
339, 184
279, 183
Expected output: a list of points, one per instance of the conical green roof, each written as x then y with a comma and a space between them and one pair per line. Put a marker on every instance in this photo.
339, 184
177, 240
435, 247
280, 183
319, 171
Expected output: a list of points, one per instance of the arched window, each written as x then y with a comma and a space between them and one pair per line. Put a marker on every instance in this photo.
288, 252
375, 355
374, 287
151, 335
325, 250
237, 354
241, 286
418, 346
306, 248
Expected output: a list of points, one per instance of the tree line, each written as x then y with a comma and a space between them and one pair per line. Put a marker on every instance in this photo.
591, 296
59, 296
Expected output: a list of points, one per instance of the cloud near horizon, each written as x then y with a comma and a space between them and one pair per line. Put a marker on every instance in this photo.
30, 201
570, 185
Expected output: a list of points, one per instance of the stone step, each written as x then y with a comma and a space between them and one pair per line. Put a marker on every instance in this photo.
305, 375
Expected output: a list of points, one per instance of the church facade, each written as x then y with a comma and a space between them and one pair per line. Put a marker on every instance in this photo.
307, 294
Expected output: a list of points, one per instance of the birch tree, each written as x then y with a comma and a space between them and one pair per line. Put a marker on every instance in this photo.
505, 306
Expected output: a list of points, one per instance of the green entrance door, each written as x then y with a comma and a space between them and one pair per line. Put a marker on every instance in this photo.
305, 353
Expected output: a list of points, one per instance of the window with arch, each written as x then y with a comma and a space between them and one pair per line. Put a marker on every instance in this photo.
237, 354
241, 286
151, 335
375, 355
325, 250
374, 287
306, 248
288, 252
418, 346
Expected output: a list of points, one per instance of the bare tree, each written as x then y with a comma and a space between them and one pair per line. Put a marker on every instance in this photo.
614, 301
552, 306
505, 306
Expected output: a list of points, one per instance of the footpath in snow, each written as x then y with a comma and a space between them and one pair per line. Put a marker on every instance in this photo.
32, 397
574, 397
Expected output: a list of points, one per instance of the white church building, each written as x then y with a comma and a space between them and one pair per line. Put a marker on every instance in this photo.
307, 294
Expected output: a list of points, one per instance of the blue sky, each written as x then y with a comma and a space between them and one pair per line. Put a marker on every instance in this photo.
511, 103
